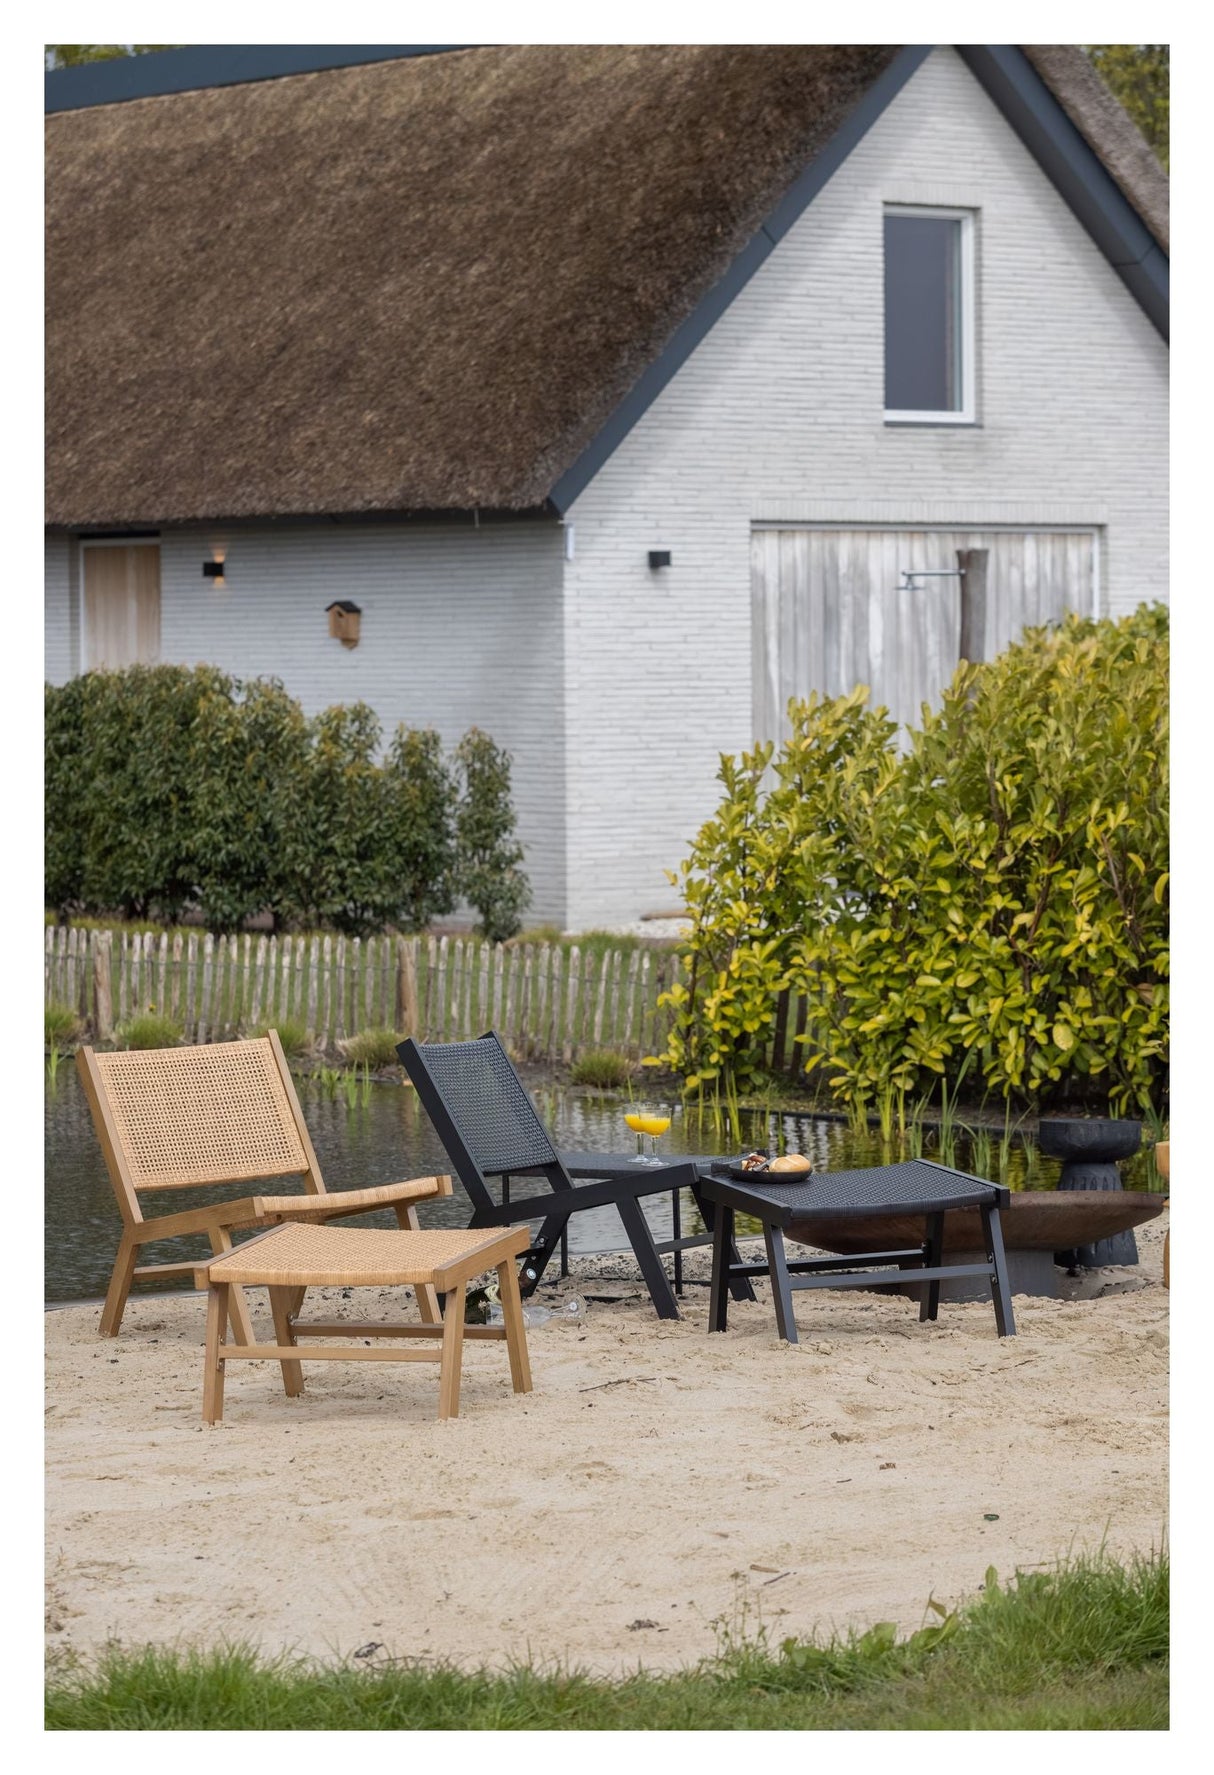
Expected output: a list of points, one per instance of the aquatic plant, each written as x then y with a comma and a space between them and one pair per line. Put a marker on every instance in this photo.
150, 1029
601, 1068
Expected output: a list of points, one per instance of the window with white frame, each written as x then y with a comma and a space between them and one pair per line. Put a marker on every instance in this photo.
929, 316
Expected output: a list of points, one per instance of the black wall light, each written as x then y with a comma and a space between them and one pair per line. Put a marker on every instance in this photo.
213, 570
659, 558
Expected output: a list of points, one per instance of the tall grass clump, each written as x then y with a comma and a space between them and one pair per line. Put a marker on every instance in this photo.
372, 1048
603, 1069
61, 1026
149, 1030
292, 1032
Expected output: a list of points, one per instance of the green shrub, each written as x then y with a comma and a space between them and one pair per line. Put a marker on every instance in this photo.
62, 1026
488, 855
168, 786
418, 831
602, 1068
998, 890
66, 772
291, 1032
149, 1030
375, 1048
248, 796
340, 865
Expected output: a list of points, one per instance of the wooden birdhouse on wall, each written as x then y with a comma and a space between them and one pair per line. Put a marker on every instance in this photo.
343, 621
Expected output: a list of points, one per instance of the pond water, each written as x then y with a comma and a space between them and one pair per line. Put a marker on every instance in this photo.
389, 1137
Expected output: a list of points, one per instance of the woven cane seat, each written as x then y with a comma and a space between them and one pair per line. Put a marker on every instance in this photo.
301, 1256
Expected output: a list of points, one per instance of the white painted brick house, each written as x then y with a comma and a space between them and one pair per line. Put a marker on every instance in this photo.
743, 424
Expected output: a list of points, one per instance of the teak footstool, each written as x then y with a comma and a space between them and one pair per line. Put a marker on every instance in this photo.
288, 1260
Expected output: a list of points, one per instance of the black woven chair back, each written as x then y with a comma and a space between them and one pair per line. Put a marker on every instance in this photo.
480, 1107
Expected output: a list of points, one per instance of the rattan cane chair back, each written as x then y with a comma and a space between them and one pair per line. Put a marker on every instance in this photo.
187, 1116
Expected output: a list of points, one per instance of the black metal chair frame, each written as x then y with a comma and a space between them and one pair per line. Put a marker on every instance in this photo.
916, 1263
480, 1147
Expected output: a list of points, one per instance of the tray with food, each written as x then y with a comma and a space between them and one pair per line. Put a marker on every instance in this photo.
788, 1168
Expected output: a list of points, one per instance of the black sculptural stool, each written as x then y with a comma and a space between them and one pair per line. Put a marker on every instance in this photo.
1089, 1149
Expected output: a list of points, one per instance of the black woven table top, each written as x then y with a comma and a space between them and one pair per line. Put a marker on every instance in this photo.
916, 1186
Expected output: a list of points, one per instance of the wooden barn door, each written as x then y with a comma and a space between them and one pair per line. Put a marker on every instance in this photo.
830, 609
121, 604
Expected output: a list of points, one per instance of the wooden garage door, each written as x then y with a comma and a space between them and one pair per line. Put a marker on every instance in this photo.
830, 609
121, 604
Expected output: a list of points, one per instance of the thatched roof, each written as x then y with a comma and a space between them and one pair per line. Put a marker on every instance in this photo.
1107, 128
414, 285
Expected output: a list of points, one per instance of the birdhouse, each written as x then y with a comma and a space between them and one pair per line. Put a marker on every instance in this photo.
343, 621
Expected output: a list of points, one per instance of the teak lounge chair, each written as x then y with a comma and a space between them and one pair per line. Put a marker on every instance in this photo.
180, 1118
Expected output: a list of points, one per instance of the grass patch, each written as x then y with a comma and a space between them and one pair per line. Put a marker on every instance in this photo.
62, 1027
149, 1030
603, 1068
1083, 1648
292, 1033
373, 1048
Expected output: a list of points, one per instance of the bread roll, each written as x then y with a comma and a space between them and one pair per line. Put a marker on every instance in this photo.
791, 1163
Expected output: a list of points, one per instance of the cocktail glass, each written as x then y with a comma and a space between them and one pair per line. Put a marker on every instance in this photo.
635, 1119
656, 1124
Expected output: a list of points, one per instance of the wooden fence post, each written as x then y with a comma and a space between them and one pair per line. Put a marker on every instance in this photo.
103, 987
406, 987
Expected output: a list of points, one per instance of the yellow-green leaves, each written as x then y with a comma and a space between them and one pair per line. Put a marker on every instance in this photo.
996, 890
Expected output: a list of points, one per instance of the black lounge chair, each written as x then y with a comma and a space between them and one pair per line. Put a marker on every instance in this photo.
489, 1126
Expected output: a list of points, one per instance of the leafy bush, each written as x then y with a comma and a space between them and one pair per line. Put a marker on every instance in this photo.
489, 875
419, 828
137, 786
997, 890
149, 1030
167, 787
375, 1048
602, 1068
62, 1026
248, 798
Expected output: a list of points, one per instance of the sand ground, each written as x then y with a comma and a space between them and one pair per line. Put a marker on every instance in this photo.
657, 1483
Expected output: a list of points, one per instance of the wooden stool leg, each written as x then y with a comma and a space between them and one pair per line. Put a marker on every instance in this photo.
453, 1352
218, 1308
242, 1325
120, 1286
427, 1300
292, 1373
516, 1331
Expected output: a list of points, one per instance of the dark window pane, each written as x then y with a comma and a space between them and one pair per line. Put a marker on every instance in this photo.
922, 314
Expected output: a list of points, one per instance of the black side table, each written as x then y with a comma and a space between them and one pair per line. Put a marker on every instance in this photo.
917, 1186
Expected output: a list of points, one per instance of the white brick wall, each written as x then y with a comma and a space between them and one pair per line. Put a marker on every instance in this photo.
778, 414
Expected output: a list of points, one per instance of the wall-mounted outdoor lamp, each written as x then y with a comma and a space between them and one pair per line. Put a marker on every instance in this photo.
659, 558
213, 570
344, 621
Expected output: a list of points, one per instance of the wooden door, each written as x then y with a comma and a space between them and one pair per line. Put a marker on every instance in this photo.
121, 605
830, 609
